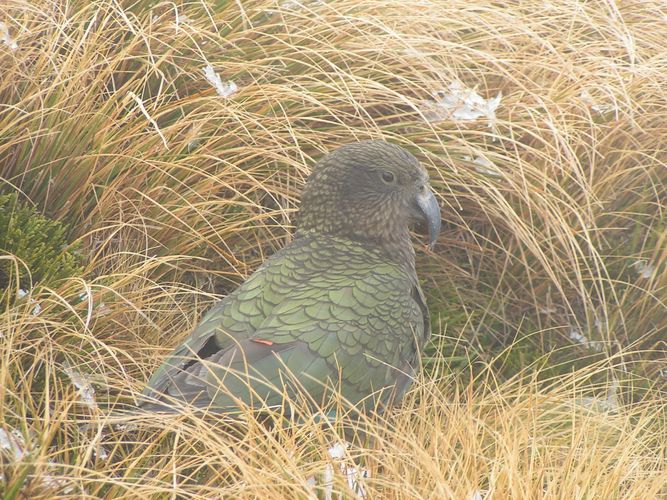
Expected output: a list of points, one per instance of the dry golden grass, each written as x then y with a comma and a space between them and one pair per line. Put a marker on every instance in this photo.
177, 193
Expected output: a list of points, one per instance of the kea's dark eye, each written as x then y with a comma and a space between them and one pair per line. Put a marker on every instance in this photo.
388, 177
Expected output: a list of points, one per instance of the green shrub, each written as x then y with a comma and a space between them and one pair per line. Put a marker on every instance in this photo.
40, 243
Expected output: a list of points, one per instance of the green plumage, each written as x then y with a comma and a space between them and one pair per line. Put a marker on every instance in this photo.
330, 310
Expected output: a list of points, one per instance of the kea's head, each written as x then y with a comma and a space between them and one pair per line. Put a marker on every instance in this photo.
370, 192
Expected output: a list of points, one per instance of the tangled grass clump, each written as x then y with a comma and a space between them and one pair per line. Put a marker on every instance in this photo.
548, 291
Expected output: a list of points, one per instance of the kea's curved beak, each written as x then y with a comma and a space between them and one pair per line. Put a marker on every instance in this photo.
430, 210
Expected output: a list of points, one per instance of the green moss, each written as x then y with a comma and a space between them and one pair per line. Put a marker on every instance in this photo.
40, 243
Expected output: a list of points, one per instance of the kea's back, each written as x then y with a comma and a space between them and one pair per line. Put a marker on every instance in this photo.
324, 315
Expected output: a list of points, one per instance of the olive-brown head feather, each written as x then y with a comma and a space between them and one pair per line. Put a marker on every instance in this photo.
370, 192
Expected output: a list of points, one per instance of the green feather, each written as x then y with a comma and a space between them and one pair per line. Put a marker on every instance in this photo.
329, 309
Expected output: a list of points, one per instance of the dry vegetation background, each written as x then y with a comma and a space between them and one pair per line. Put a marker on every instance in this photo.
548, 290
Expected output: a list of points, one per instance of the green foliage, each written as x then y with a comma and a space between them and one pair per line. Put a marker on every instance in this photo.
38, 242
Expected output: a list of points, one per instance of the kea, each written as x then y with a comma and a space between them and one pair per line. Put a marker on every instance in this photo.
339, 310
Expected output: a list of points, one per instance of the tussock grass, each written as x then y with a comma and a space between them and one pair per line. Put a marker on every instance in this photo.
548, 290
